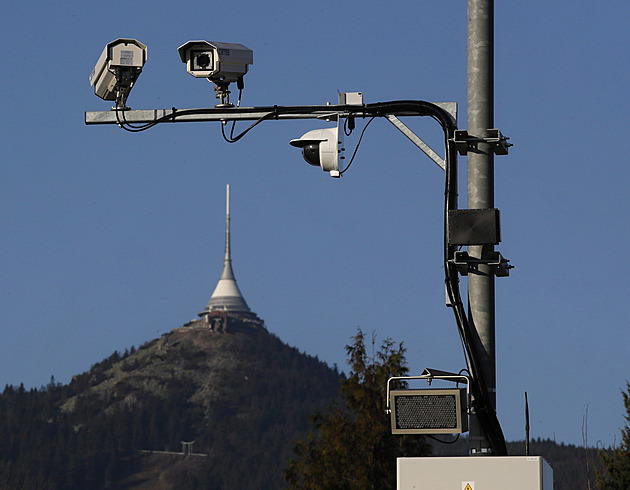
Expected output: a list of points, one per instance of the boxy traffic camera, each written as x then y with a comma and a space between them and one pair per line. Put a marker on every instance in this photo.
216, 61
117, 70
221, 63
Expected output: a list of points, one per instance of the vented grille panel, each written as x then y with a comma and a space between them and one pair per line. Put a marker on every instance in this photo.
428, 411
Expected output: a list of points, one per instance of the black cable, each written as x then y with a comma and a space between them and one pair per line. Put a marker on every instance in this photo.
127, 126
357, 147
238, 104
348, 125
482, 405
444, 442
120, 107
413, 107
234, 139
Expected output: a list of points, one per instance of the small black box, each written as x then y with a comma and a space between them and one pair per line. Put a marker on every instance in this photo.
474, 227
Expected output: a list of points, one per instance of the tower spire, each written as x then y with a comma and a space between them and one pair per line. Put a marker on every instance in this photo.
227, 296
228, 273
227, 224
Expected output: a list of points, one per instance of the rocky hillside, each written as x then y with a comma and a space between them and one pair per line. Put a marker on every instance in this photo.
243, 399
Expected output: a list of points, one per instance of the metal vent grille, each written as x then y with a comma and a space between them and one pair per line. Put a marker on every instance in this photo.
429, 411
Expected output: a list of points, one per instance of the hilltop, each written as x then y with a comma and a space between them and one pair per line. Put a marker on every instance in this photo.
243, 398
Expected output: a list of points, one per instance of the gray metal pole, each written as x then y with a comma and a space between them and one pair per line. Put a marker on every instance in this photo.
480, 100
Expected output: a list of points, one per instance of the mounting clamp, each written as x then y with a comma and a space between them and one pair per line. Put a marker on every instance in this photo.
497, 263
464, 142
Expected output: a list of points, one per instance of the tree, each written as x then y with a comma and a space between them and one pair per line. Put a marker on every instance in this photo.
352, 446
615, 474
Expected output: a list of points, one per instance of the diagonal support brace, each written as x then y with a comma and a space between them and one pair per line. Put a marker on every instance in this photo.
416, 140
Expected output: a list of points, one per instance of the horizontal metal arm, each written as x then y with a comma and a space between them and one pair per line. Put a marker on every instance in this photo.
400, 108
208, 115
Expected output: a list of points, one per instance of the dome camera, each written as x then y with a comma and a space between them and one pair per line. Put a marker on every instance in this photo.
322, 148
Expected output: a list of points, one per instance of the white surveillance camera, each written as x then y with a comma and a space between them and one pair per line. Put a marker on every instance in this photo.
117, 69
323, 148
225, 62
221, 63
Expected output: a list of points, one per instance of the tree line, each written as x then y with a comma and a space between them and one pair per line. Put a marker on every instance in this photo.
250, 436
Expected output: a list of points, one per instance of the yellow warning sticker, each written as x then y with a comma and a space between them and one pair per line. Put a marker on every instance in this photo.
468, 485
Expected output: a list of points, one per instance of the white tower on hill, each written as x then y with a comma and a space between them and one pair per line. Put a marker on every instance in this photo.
227, 310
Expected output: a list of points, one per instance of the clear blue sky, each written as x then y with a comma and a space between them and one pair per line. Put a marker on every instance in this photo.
110, 239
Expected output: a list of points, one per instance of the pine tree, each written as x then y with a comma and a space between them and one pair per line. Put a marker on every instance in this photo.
615, 474
352, 446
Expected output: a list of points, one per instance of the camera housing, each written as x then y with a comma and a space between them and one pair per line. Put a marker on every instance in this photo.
117, 69
225, 62
322, 148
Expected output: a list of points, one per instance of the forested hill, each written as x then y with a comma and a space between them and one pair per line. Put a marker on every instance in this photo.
243, 399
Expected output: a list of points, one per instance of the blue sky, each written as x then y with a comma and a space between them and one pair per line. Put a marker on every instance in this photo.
111, 239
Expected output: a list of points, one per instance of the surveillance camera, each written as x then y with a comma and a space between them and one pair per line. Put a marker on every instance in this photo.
225, 62
221, 63
323, 148
117, 69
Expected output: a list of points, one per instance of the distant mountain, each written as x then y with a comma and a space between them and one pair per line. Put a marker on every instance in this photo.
238, 401
242, 399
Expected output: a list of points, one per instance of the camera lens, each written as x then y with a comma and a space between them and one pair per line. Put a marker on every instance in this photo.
310, 153
203, 60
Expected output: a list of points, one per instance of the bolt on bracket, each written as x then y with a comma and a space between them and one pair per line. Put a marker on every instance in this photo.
465, 142
498, 264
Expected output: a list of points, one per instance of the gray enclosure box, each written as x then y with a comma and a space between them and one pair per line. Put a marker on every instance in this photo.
475, 473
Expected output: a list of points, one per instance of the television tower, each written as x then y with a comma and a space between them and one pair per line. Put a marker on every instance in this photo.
227, 309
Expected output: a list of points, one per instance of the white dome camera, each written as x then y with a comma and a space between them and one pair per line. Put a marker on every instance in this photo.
323, 148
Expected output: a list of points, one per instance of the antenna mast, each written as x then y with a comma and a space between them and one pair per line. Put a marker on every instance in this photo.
228, 256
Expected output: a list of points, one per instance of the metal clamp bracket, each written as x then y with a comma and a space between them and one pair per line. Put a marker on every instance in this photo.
497, 263
464, 142
429, 374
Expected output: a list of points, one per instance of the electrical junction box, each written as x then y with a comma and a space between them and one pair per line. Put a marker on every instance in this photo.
350, 98
474, 473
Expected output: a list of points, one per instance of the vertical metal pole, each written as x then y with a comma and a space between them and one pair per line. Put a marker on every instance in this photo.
481, 310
